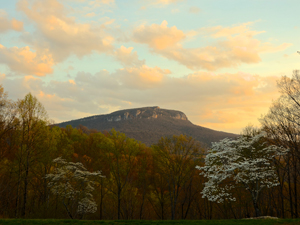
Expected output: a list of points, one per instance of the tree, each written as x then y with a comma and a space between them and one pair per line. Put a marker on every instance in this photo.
175, 160
245, 162
282, 125
72, 182
121, 157
7, 129
7, 113
32, 122
290, 97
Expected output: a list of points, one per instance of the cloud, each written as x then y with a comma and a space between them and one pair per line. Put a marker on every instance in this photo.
106, 21
63, 35
164, 2
72, 82
7, 25
127, 57
96, 3
226, 101
158, 3
88, 8
92, 14
158, 36
25, 61
141, 78
138, 78
233, 46
100, 3
194, 10
220, 31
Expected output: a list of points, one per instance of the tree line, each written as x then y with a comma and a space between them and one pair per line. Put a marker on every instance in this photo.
78, 173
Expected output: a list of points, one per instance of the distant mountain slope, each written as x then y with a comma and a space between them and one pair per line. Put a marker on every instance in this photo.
149, 124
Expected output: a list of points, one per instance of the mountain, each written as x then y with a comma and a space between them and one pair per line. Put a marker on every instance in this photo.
149, 124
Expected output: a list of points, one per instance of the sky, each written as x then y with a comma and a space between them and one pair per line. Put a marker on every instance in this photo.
218, 61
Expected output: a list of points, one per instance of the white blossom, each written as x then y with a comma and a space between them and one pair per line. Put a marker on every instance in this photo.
245, 161
74, 182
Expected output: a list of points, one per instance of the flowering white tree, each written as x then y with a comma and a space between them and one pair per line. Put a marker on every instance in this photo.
245, 161
73, 182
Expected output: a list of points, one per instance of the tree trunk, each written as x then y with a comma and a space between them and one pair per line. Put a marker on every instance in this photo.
18, 190
255, 195
25, 188
172, 203
101, 201
119, 202
257, 211
295, 186
282, 200
290, 190
68, 211
142, 205
162, 210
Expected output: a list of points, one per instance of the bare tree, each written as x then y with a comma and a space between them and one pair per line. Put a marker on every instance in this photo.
282, 124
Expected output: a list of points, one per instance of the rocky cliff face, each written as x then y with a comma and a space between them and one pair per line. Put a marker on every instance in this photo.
139, 113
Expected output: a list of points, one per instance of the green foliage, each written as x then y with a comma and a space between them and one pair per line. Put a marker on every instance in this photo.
152, 222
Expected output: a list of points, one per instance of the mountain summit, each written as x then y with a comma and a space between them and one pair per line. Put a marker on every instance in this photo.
139, 113
149, 124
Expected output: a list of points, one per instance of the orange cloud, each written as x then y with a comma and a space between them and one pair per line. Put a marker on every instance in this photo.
25, 61
218, 101
220, 31
62, 34
99, 3
143, 77
239, 46
158, 36
246, 99
6, 24
93, 2
72, 82
167, 1
2, 76
164, 2
127, 57
92, 14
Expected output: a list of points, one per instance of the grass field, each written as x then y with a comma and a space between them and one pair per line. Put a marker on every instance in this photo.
153, 222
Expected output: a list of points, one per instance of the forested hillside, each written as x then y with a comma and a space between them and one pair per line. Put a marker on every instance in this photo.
80, 173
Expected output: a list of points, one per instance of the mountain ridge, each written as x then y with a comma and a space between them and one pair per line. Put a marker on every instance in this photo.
115, 116
149, 124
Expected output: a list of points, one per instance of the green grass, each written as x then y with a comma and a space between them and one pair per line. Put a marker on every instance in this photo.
148, 222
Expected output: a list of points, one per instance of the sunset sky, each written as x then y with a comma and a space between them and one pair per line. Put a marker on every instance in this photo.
215, 60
